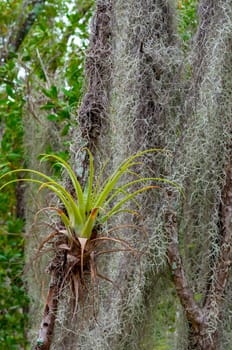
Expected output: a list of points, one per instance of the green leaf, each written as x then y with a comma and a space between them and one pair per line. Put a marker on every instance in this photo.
14, 156
48, 106
64, 114
52, 117
73, 178
65, 130
9, 91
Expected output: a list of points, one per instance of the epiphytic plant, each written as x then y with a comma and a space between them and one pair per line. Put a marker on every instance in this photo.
81, 214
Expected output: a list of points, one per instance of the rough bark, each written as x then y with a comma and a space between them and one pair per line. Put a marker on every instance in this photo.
94, 107
199, 317
48, 322
134, 74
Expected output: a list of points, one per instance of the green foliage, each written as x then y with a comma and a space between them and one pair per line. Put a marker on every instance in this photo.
58, 50
14, 302
52, 58
89, 207
9, 10
163, 318
52, 46
12, 101
93, 202
187, 20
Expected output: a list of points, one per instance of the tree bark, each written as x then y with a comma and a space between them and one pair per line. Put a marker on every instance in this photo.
46, 331
140, 95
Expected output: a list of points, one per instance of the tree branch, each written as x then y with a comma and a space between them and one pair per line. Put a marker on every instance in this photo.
45, 335
193, 312
225, 255
17, 38
199, 317
94, 105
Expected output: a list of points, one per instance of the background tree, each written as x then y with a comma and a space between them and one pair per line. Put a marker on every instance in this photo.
160, 96
36, 114
148, 84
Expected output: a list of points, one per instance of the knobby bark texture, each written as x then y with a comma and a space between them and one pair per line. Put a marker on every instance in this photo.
141, 93
46, 331
124, 110
93, 111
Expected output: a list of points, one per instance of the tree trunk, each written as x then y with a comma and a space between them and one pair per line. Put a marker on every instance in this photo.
143, 93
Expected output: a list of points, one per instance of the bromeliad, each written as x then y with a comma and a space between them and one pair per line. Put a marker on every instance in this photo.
77, 243
93, 203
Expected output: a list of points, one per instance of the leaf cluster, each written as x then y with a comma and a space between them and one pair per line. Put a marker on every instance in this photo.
187, 20
95, 203
14, 301
54, 35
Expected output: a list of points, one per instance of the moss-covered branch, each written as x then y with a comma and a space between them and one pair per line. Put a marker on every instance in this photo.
184, 292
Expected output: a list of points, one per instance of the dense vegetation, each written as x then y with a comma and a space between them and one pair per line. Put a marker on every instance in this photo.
45, 51
42, 52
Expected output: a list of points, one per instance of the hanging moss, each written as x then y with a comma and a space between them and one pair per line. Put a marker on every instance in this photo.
140, 94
